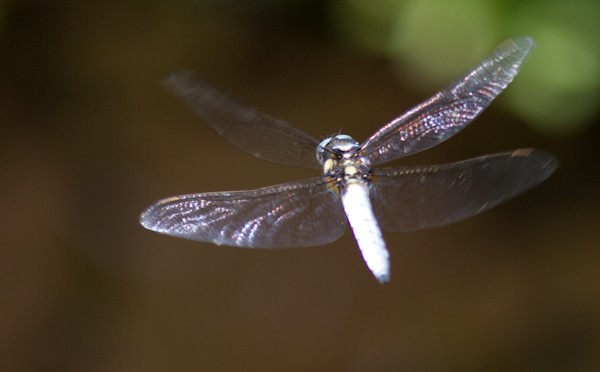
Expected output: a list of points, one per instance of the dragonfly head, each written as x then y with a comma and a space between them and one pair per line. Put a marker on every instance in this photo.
335, 147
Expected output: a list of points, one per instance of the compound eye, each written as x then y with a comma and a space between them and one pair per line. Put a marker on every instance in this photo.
323, 150
324, 143
344, 137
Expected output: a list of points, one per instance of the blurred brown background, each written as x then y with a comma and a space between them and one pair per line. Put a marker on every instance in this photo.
89, 138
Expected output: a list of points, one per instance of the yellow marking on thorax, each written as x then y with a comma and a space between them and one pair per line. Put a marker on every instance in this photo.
328, 166
350, 170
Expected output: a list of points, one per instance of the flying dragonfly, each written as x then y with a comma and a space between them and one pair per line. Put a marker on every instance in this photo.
316, 211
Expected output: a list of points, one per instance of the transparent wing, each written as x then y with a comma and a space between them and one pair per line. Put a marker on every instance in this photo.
260, 135
298, 214
413, 198
450, 110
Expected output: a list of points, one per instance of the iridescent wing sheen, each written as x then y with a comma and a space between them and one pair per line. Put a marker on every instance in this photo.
260, 135
413, 198
450, 110
298, 214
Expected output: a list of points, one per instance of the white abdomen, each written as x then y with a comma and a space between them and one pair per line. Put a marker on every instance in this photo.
357, 206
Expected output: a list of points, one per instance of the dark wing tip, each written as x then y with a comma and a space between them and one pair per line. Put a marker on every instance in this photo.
518, 47
146, 218
150, 217
546, 163
184, 82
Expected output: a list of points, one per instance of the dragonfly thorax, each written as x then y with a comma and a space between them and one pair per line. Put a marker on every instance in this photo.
342, 164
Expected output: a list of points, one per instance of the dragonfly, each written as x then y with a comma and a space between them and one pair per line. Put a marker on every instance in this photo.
317, 211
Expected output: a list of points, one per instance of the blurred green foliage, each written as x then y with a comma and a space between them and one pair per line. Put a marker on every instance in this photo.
433, 41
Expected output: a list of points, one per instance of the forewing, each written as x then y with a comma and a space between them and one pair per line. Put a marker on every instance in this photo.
450, 110
303, 213
413, 198
260, 135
